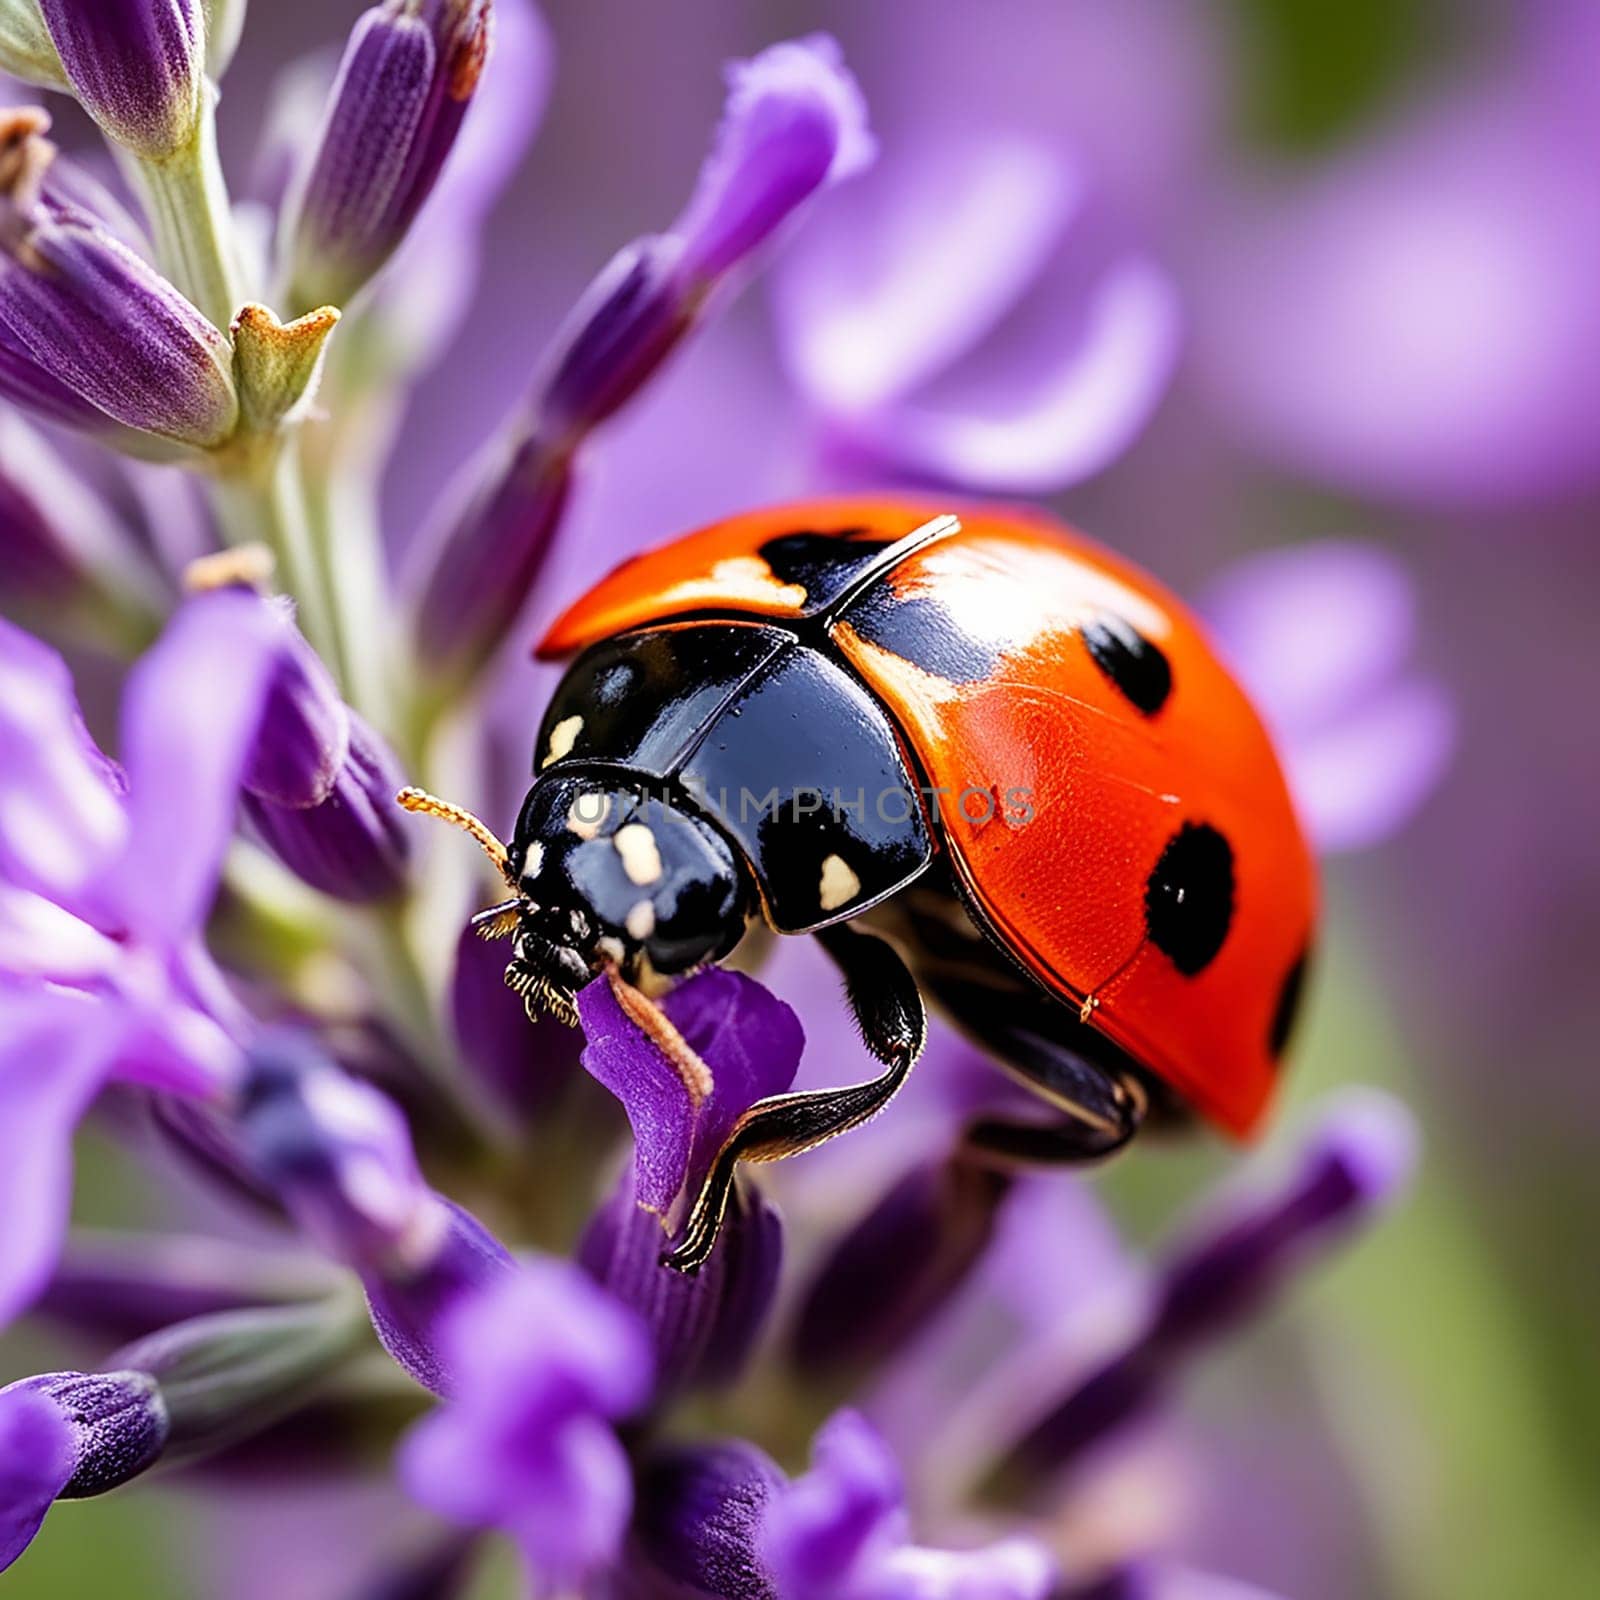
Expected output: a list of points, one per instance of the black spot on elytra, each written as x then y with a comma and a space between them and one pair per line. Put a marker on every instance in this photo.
1188, 898
823, 564
1137, 667
921, 630
1287, 1010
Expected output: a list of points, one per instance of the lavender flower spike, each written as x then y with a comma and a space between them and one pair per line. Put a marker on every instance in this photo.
137, 67
409, 73
89, 324
69, 1435
794, 123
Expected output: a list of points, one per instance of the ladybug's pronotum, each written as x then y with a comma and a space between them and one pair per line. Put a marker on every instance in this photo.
980, 758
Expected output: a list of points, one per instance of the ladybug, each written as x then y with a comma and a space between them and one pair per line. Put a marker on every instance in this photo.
981, 759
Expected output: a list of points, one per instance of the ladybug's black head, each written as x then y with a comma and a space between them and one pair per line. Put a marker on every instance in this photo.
608, 875
602, 875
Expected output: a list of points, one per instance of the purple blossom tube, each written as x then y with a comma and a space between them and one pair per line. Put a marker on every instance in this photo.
409, 73
794, 122
137, 67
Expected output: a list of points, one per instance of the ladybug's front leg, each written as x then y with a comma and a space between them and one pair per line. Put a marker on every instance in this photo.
894, 1026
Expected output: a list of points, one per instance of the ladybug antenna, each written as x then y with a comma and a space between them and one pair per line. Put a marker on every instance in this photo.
424, 804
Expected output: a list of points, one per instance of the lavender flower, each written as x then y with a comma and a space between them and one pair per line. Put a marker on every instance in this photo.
137, 66
91, 333
525, 1444
794, 124
409, 73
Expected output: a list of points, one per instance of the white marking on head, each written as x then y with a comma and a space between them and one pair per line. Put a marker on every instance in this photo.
641, 921
839, 884
588, 812
641, 859
534, 864
562, 738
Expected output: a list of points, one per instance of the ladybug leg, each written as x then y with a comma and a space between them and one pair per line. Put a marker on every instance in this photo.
1099, 1100
888, 1007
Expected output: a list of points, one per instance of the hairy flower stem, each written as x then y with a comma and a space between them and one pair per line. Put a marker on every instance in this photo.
186, 201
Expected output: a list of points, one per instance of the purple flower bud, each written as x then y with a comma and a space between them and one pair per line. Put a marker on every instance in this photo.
338, 1154
304, 739
137, 66
409, 73
794, 122
69, 1435
411, 1311
354, 845
703, 1326
524, 1443
902, 1263
93, 319
1355, 1164
698, 1520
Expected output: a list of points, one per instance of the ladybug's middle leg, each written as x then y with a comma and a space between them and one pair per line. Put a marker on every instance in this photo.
888, 1007
1098, 1098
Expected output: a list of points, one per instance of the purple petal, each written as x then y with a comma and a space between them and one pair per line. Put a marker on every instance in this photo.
105, 324
972, 317
119, 1423
849, 1508
37, 1456
1062, 408
524, 1443
137, 65
839, 1533
189, 719
1313, 629
1361, 779
1320, 634
795, 120
748, 1039
958, 236
61, 814
55, 1052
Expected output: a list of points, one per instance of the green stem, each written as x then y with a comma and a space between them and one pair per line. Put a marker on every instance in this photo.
186, 201
270, 508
